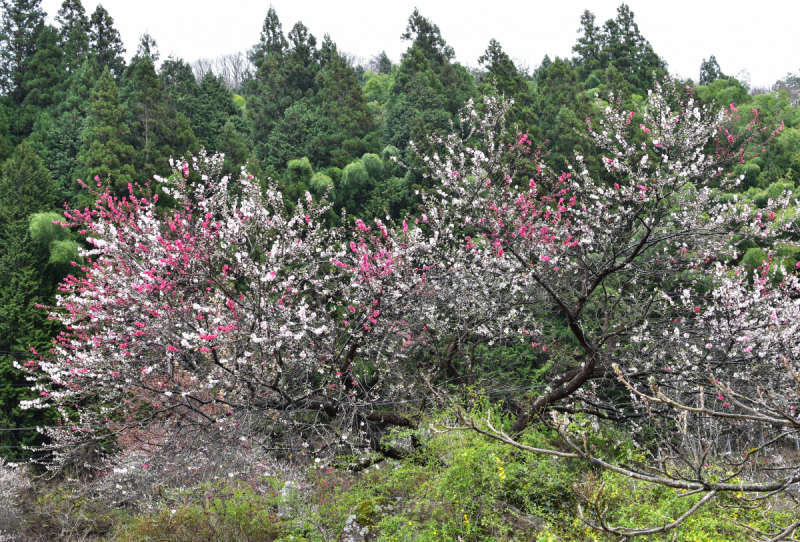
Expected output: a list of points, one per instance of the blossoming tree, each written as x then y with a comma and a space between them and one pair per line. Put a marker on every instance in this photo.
235, 318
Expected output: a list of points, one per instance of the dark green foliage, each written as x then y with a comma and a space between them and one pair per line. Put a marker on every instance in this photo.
620, 45
343, 108
428, 89
44, 81
215, 107
104, 152
25, 189
503, 79
710, 71
20, 25
155, 126
272, 40
105, 42
74, 33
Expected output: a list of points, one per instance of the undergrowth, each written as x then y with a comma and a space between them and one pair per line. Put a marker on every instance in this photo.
459, 487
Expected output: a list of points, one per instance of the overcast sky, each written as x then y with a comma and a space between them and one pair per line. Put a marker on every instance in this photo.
753, 35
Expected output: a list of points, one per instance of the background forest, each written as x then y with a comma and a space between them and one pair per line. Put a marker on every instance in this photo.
293, 108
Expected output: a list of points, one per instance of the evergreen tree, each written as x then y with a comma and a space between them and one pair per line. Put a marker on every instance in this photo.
384, 63
426, 36
561, 108
428, 89
589, 45
236, 147
74, 33
104, 152
79, 88
20, 25
272, 40
25, 188
343, 108
105, 43
626, 49
215, 107
5, 134
148, 111
710, 71
503, 78
45, 77
301, 62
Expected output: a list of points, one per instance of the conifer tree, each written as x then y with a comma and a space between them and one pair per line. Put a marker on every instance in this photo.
710, 71
105, 42
45, 77
74, 33
104, 152
25, 188
503, 78
215, 107
343, 108
589, 44
271, 41
20, 25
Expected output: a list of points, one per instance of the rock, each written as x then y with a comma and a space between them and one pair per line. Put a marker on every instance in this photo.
362, 526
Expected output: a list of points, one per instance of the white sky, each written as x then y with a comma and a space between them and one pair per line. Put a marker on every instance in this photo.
752, 35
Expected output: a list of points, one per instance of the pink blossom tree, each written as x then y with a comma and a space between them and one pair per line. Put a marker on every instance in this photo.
235, 319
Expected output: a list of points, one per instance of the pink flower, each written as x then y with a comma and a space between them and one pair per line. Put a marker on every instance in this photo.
545, 258
353, 246
405, 226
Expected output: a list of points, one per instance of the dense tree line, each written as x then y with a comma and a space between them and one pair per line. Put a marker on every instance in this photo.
299, 111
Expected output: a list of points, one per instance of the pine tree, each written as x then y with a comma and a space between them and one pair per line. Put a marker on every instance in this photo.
25, 188
589, 44
626, 49
20, 25
384, 63
45, 78
104, 152
428, 88
105, 43
503, 78
74, 33
710, 71
342, 108
215, 107
272, 40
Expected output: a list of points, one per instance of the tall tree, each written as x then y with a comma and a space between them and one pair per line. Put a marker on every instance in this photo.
589, 45
25, 188
20, 25
45, 78
272, 40
343, 108
215, 107
105, 42
626, 48
428, 88
710, 71
104, 152
74, 33
503, 78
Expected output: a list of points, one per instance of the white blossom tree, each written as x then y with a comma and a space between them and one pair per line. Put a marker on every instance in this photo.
234, 318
